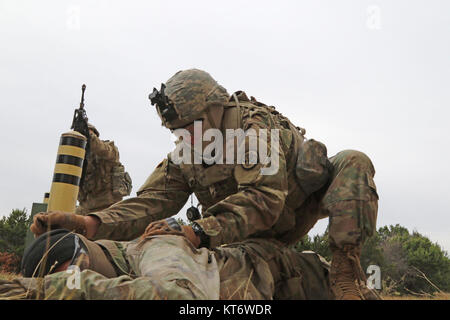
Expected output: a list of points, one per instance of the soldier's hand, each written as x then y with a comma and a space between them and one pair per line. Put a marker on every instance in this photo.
165, 226
46, 221
190, 234
171, 226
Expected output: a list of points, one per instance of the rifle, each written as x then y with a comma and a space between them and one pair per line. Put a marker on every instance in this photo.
80, 124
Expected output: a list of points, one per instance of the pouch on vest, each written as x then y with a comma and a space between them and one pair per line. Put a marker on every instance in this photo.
121, 181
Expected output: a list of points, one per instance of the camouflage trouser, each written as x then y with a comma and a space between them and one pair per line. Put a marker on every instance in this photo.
169, 267
350, 200
254, 269
267, 269
175, 268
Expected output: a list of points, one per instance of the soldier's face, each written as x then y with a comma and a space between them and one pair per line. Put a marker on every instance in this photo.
62, 266
82, 262
197, 128
197, 135
191, 129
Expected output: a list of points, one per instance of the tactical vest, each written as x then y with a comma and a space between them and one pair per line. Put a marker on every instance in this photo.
116, 253
214, 183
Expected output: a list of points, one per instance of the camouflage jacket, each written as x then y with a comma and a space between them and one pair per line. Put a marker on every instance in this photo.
237, 200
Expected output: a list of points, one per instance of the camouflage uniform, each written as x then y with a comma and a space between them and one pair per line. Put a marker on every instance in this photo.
238, 202
169, 267
106, 181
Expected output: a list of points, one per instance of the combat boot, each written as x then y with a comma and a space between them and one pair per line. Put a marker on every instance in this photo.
346, 273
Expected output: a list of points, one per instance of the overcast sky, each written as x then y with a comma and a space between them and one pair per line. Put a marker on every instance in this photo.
367, 75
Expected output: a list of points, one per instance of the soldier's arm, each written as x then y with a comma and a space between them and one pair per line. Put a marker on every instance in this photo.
103, 149
90, 285
255, 207
163, 194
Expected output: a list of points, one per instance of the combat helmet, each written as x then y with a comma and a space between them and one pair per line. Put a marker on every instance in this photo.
94, 129
186, 96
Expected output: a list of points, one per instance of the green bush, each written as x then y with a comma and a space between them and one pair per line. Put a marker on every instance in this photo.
13, 229
409, 262
318, 244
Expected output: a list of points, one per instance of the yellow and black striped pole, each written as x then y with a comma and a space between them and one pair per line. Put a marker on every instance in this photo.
67, 173
46, 197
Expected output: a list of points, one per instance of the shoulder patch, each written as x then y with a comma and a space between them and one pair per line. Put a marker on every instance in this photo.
249, 171
247, 176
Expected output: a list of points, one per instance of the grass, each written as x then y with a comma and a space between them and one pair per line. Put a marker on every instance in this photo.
8, 276
436, 296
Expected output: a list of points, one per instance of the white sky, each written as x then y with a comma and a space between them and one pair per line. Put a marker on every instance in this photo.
367, 75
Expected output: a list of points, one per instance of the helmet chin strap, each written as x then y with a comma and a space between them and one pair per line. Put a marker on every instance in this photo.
215, 121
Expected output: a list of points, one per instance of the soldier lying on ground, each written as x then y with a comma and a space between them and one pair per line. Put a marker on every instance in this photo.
165, 267
239, 202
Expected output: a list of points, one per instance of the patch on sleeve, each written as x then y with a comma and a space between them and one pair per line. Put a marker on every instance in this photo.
249, 171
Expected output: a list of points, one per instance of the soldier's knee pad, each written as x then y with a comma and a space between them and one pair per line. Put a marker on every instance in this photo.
352, 178
354, 158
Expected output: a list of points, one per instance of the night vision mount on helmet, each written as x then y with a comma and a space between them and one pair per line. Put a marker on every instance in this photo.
163, 104
186, 96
